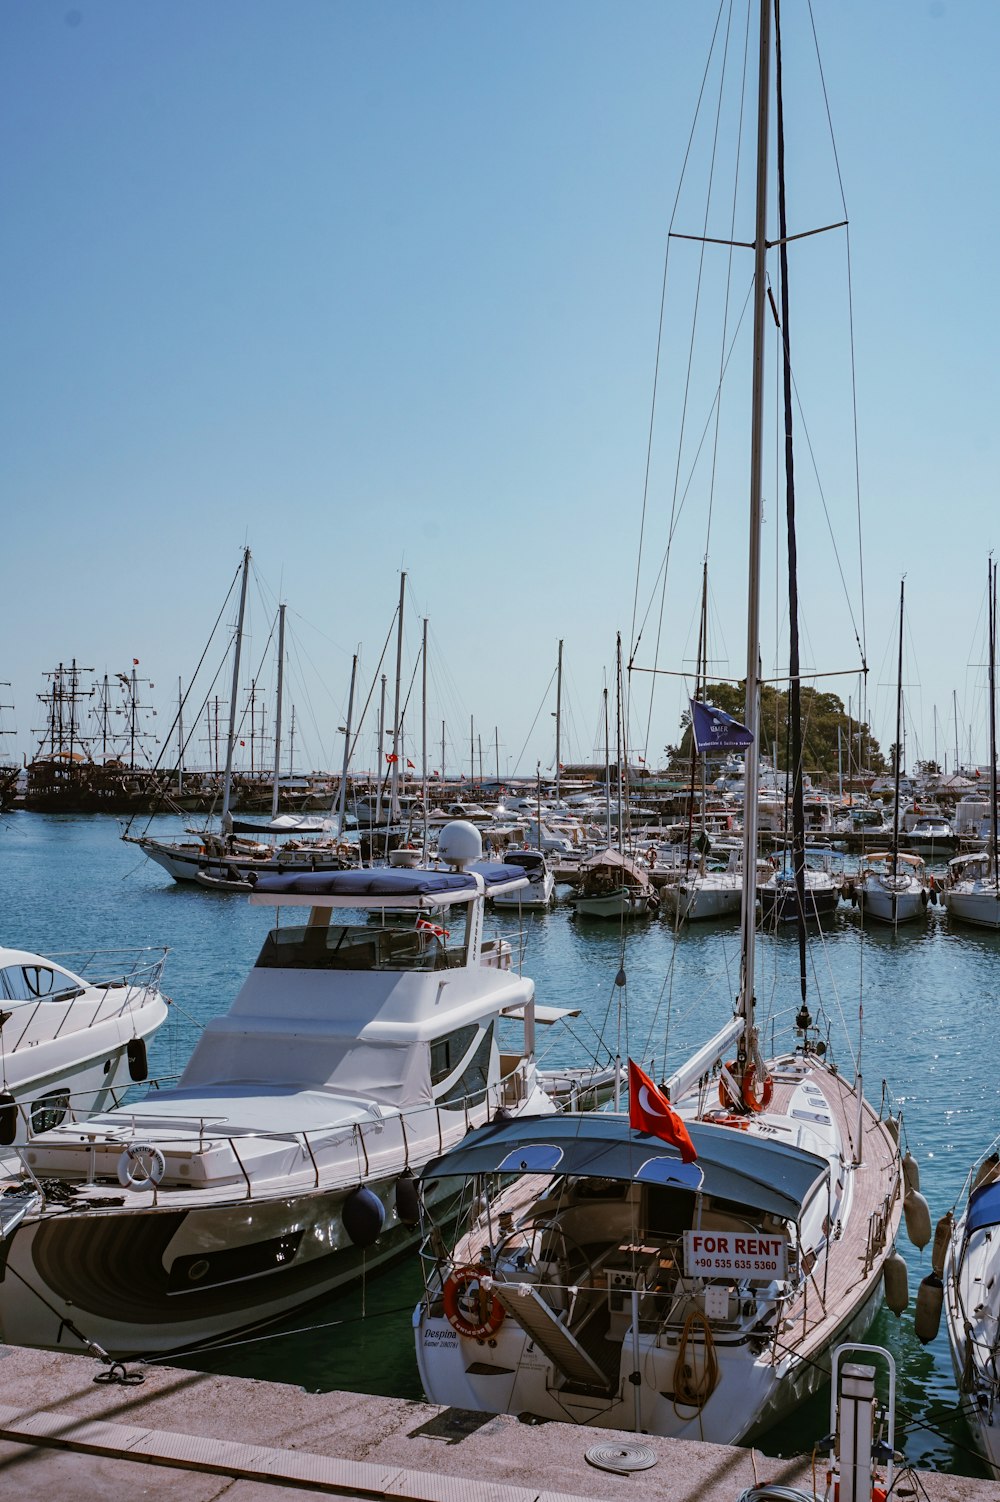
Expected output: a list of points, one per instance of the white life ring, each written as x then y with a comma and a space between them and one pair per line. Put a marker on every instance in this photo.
141, 1166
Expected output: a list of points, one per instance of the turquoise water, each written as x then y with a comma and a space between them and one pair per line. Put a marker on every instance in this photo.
69, 883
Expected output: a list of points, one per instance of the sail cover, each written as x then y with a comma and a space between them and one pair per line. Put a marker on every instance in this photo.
714, 730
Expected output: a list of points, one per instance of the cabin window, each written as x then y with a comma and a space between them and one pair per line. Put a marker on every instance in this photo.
49, 1110
35, 983
356, 947
447, 1055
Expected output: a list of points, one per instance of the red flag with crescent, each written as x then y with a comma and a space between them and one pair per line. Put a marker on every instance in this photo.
650, 1111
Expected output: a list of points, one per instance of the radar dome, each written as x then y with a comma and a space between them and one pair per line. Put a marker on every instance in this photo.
459, 844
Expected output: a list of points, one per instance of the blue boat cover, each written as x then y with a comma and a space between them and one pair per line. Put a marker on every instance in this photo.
984, 1208
761, 1173
386, 881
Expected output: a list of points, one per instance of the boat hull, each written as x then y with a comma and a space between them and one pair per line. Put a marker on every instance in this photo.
979, 906
752, 1394
696, 902
620, 904
166, 1279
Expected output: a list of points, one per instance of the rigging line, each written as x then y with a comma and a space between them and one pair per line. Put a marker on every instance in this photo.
850, 318
724, 359
371, 691
690, 358
729, 279
826, 513
690, 480
250, 1340
191, 683
532, 729
663, 301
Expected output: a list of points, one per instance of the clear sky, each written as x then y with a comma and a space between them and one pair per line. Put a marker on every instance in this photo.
372, 285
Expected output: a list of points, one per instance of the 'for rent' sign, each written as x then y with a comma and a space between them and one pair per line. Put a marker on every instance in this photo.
735, 1254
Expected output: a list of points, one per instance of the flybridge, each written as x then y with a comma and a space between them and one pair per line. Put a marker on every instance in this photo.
386, 887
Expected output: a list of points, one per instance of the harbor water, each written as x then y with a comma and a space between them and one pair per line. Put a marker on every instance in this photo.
927, 996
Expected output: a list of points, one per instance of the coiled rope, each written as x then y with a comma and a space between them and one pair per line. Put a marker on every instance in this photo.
690, 1390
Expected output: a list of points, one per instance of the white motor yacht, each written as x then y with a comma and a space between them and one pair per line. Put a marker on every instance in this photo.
539, 892
281, 1165
70, 1045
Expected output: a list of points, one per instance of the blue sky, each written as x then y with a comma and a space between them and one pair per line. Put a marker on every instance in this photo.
372, 286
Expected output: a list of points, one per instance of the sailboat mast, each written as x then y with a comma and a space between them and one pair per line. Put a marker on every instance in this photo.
394, 766
558, 719
899, 742
619, 740
342, 793
993, 721
751, 757
607, 772
277, 711
423, 735
227, 784
180, 737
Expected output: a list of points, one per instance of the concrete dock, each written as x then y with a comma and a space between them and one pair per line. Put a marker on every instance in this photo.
194, 1437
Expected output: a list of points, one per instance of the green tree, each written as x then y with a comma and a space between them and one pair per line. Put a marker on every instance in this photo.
823, 714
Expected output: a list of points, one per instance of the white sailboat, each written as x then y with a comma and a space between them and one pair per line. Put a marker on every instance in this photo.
281, 1165
892, 887
688, 1269
612, 883
223, 859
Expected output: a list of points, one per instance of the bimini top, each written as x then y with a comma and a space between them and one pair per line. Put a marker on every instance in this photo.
761, 1173
984, 1208
386, 886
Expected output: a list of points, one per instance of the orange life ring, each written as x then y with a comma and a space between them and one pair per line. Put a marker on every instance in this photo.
456, 1292
751, 1099
748, 1095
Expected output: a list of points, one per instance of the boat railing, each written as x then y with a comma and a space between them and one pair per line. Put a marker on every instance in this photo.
143, 975
138, 981
425, 1130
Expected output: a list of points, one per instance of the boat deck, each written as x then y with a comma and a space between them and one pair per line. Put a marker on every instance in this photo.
817, 1312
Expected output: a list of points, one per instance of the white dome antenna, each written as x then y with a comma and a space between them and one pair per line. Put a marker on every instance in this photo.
459, 844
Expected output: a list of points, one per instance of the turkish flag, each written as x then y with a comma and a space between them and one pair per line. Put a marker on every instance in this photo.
650, 1111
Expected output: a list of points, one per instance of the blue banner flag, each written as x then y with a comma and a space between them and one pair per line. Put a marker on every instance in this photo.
714, 730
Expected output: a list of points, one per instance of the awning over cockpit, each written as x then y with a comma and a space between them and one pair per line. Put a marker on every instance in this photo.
761, 1173
384, 886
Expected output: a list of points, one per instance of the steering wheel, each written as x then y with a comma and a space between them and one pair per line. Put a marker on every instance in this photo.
540, 1228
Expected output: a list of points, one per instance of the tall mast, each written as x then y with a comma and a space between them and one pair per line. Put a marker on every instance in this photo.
180, 736
607, 771
423, 737
558, 719
993, 721
277, 710
752, 717
619, 741
342, 795
227, 785
899, 744
394, 764
378, 759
